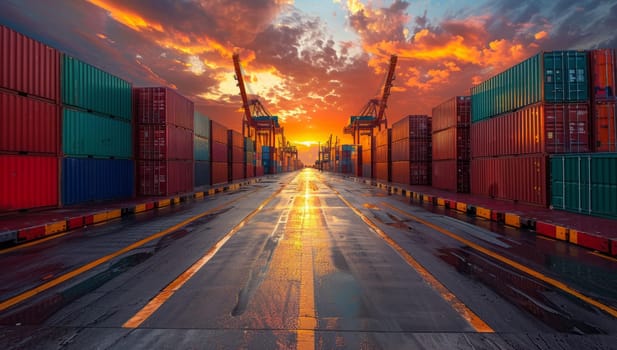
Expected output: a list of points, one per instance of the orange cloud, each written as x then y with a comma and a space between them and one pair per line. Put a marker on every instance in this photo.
127, 17
541, 35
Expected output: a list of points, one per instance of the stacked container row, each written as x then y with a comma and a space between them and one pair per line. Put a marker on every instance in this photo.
382, 158
604, 102
236, 155
350, 160
164, 129
219, 153
411, 150
201, 150
451, 144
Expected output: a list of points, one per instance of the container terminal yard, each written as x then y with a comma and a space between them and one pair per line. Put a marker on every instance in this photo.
130, 220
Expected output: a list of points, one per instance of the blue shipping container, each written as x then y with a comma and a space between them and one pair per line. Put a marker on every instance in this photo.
85, 180
203, 174
201, 148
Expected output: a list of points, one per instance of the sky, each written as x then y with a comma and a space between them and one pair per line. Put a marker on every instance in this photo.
312, 63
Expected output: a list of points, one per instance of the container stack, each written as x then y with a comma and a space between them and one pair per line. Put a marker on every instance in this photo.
235, 156
269, 159
201, 150
366, 159
382, 159
586, 183
451, 144
97, 134
249, 160
259, 166
350, 161
411, 150
218, 142
165, 121
30, 142
520, 116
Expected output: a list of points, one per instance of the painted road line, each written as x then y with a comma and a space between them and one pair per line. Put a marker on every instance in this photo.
474, 320
538, 275
33, 243
155, 303
307, 316
5, 304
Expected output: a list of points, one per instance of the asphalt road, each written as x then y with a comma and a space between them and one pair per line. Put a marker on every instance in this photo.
305, 260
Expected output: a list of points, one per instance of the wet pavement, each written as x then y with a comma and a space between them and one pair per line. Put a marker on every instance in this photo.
305, 260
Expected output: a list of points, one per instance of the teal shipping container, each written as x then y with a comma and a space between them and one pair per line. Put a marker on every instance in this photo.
201, 125
585, 183
201, 148
91, 135
556, 76
87, 87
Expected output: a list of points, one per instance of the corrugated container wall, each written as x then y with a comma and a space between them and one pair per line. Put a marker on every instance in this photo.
28, 125
556, 77
493, 177
585, 183
218, 142
85, 180
366, 143
203, 176
90, 135
162, 105
164, 141
540, 128
92, 89
603, 74
201, 125
164, 177
23, 185
605, 127
236, 156
382, 165
28, 66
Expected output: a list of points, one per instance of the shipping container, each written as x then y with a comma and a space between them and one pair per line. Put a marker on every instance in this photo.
411, 173
605, 127
201, 125
164, 177
203, 174
28, 125
218, 133
28, 66
164, 141
220, 173
235, 143
249, 145
412, 127
86, 180
455, 112
522, 179
90, 135
219, 152
383, 171
201, 148
585, 183
383, 143
259, 170
366, 144
540, 128
162, 105
94, 90
28, 182
350, 162
555, 77
603, 71
451, 174
235, 171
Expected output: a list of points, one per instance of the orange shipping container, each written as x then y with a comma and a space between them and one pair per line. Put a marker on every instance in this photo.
603, 65
604, 127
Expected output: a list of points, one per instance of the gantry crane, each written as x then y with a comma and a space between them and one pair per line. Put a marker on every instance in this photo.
257, 124
373, 114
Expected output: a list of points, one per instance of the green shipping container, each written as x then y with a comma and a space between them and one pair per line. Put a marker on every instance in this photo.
556, 76
91, 135
201, 148
94, 90
585, 183
201, 125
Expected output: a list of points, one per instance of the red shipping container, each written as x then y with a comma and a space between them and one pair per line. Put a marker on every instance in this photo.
219, 151
451, 174
235, 171
162, 105
452, 113
219, 173
164, 141
249, 171
411, 150
603, 70
259, 171
28, 182
412, 127
29, 125
218, 133
605, 127
164, 177
411, 173
235, 139
520, 178
540, 128
382, 171
28, 66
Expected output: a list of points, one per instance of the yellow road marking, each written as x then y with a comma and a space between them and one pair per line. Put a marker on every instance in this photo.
72, 274
30, 244
604, 256
155, 303
474, 320
553, 282
307, 319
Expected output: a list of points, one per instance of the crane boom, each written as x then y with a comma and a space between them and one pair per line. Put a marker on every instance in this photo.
383, 103
245, 100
